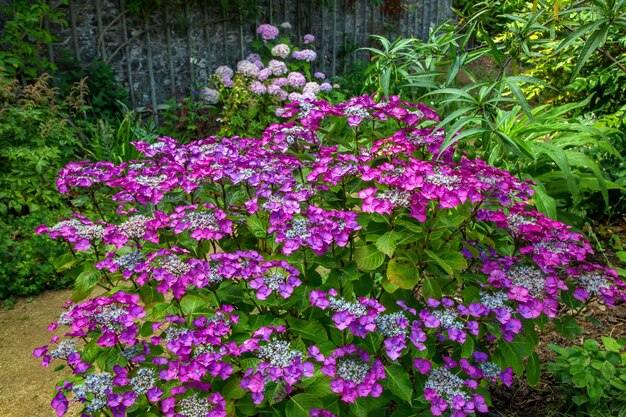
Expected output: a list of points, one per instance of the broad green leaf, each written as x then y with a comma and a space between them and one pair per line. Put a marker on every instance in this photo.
449, 261
595, 391
368, 258
246, 407
232, 390
85, 283
191, 304
567, 326
510, 357
150, 295
388, 286
300, 405
431, 289
65, 261
398, 382
440, 262
468, 347
387, 243
513, 353
257, 226
533, 370
611, 344
402, 275
310, 330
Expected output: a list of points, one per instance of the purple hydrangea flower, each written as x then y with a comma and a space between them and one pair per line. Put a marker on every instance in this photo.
210, 95
296, 80
267, 32
354, 373
281, 51
307, 55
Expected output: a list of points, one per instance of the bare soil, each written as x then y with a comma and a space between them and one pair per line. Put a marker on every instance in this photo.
26, 388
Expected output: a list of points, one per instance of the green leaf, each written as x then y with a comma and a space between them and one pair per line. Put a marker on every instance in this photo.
85, 283
509, 357
449, 261
368, 258
533, 370
246, 407
387, 243
595, 392
545, 204
468, 347
191, 304
431, 289
567, 326
65, 261
398, 382
513, 353
150, 295
310, 330
521, 99
300, 405
232, 390
402, 275
593, 42
611, 344
257, 226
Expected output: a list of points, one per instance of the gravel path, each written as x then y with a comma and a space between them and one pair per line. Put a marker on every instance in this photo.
26, 388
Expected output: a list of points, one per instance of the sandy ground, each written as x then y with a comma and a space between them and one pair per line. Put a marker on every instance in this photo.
26, 388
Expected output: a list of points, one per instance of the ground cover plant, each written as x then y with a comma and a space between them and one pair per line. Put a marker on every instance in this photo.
342, 263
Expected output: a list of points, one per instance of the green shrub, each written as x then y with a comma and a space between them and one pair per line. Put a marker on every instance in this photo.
104, 97
593, 377
572, 155
39, 136
24, 37
26, 259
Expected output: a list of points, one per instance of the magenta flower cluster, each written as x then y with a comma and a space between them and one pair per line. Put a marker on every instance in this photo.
338, 249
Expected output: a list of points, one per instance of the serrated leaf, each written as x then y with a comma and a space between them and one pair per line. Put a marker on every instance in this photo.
300, 405
398, 382
310, 330
191, 304
402, 275
387, 243
448, 261
65, 261
85, 283
246, 407
368, 258
257, 227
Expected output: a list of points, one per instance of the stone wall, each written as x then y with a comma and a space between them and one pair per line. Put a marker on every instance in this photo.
175, 47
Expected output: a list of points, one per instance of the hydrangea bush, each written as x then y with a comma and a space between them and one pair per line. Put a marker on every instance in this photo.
338, 265
276, 73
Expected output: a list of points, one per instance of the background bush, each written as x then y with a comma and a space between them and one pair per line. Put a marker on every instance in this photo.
27, 260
